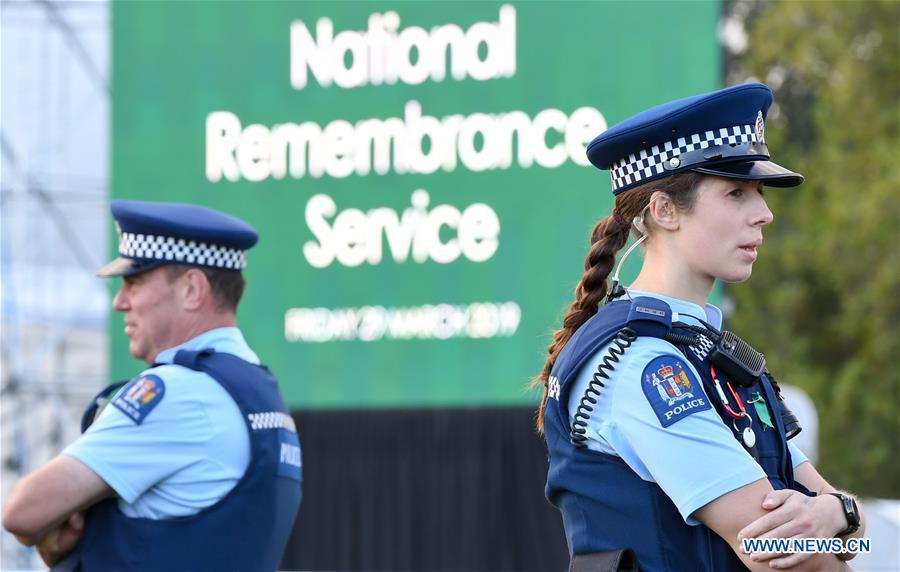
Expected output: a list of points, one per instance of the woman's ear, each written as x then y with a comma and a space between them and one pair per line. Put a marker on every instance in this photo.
663, 211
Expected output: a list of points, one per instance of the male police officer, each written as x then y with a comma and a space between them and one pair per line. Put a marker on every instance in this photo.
196, 464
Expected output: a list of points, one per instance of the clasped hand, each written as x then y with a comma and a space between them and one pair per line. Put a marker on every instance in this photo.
60, 541
792, 514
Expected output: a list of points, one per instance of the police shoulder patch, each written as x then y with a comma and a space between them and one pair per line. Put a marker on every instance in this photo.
140, 396
672, 389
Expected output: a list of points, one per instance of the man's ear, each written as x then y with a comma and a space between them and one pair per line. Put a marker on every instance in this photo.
194, 289
663, 211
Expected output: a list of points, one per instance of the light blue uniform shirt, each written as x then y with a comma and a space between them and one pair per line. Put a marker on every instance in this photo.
696, 459
187, 452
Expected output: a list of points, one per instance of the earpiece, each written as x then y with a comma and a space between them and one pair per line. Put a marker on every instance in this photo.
638, 223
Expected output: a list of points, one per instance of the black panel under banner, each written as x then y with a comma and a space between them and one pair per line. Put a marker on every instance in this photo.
437, 489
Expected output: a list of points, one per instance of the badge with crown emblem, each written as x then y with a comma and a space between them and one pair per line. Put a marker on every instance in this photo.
760, 128
672, 389
139, 396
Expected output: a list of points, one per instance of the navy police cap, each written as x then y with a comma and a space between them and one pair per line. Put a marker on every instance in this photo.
153, 234
718, 133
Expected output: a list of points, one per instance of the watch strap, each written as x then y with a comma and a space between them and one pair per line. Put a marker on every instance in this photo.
851, 513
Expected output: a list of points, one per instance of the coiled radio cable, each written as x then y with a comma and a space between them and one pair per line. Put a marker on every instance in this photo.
621, 342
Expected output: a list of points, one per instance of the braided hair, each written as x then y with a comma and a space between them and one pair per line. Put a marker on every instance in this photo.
608, 237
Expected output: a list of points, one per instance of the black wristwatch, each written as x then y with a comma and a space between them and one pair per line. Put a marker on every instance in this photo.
851, 512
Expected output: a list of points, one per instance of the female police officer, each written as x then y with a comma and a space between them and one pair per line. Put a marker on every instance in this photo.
666, 435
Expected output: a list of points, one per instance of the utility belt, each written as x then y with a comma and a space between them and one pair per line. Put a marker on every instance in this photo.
621, 560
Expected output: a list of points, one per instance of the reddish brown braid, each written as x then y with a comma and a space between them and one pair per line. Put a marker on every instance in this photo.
607, 238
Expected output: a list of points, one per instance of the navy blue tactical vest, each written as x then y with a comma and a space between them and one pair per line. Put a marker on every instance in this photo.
246, 530
605, 505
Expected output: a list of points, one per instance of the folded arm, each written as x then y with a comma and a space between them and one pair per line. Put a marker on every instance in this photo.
731, 515
48, 497
793, 514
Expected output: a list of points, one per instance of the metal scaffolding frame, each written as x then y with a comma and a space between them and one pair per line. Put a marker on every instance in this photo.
54, 180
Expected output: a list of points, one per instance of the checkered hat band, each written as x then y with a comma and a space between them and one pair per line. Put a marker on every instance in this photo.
649, 162
179, 250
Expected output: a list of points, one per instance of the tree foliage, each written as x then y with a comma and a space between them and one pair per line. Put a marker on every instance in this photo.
824, 301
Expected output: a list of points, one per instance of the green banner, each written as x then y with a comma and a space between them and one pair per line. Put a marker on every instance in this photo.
416, 171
